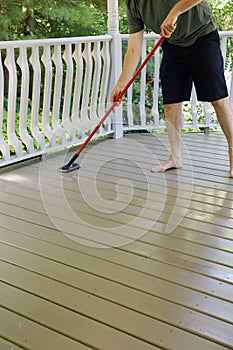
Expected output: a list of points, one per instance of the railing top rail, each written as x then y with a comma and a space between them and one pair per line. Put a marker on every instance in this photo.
153, 35
147, 36
74, 40
53, 41
226, 33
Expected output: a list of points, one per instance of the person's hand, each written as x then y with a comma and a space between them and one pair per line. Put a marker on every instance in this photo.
168, 26
114, 97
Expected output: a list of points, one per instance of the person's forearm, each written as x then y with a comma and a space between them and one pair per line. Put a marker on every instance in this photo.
183, 6
169, 24
131, 58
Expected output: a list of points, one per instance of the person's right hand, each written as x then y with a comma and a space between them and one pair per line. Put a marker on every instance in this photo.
114, 97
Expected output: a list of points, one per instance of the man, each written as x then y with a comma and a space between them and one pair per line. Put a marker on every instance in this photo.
191, 53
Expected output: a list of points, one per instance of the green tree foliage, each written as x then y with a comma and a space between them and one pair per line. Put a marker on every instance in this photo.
102, 5
10, 15
223, 12
23, 19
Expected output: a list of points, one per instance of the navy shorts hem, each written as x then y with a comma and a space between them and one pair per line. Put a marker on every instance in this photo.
205, 99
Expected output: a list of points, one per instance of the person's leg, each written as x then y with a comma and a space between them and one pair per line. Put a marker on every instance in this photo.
176, 85
173, 115
224, 112
207, 70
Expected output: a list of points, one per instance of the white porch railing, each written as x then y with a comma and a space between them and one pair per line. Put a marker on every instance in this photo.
54, 91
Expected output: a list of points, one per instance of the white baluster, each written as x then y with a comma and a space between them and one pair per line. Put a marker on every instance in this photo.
193, 104
129, 108
143, 88
104, 83
57, 59
87, 86
68, 92
77, 55
95, 83
12, 95
130, 115
155, 107
207, 114
23, 63
35, 62
4, 147
224, 48
46, 59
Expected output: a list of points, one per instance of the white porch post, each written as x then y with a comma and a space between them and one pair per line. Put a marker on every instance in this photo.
116, 62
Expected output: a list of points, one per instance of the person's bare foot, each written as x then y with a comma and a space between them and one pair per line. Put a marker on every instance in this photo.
170, 163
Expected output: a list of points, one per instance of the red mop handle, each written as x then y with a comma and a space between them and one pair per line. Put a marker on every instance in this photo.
119, 98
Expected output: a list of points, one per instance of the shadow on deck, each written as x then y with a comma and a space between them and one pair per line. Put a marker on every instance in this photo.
113, 257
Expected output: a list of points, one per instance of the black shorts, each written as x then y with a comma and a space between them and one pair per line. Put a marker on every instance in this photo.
200, 63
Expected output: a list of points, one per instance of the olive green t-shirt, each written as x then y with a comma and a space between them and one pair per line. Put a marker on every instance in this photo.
192, 24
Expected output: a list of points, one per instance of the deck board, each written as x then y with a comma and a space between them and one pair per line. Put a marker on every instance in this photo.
8, 345
82, 308
32, 335
118, 279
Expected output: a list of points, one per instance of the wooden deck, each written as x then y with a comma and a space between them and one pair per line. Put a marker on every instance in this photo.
113, 257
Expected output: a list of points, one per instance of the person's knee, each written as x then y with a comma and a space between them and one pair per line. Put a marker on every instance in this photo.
220, 103
172, 108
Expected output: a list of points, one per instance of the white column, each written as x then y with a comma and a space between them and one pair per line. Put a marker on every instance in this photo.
113, 20
116, 62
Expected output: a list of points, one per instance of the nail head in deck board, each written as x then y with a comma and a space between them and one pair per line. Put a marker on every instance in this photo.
7, 345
